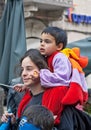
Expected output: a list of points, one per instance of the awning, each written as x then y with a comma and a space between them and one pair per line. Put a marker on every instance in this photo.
85, 47
12, 39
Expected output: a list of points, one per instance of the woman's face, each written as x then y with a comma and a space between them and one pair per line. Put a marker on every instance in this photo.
28, 70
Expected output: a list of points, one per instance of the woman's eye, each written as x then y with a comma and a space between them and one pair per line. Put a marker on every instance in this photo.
26, 69
29, 68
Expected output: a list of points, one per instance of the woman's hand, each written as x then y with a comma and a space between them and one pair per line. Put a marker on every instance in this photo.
6, 116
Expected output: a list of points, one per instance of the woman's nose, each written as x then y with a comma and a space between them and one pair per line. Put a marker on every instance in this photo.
24, 72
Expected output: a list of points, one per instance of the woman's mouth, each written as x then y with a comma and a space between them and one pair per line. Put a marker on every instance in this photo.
25, 80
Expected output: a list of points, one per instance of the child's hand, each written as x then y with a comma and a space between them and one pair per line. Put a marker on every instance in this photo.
19, 87
22, 87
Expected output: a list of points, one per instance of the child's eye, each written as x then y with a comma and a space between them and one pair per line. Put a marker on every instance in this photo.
41, 40
47, 41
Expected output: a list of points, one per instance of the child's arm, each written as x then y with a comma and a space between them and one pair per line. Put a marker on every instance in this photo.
60, 76
19, 87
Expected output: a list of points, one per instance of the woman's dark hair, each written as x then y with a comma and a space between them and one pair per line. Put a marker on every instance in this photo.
39, 116
36, 57
59, 34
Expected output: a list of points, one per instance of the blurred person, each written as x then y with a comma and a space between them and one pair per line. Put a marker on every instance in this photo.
37, 117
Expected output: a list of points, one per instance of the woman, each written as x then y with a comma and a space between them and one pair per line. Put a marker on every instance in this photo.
31, 64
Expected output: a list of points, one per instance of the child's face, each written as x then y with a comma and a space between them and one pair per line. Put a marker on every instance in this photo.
28, 69
47, 44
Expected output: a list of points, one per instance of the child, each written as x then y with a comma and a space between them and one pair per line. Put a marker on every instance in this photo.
65, 65
37, 117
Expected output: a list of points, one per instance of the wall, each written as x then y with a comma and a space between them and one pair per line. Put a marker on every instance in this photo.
75, 31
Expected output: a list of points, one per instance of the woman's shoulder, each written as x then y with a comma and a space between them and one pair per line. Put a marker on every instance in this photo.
57, 90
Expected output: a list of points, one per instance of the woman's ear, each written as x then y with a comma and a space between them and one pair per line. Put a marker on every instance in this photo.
59, 47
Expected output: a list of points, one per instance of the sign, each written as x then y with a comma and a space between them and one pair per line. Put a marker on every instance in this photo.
78, 18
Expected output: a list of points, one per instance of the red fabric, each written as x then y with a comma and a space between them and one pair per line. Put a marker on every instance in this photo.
55, 99
52, 98
50, 59
74, 95
23, 103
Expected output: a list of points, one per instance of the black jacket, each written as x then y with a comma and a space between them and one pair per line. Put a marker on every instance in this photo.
74, 119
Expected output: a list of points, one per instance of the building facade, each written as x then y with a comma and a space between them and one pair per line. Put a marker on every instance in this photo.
77, 20
73, 16
41, 13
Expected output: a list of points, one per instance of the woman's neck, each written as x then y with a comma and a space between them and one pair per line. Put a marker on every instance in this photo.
37, 89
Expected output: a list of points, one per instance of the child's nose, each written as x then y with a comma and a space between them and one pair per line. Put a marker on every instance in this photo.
43, 43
